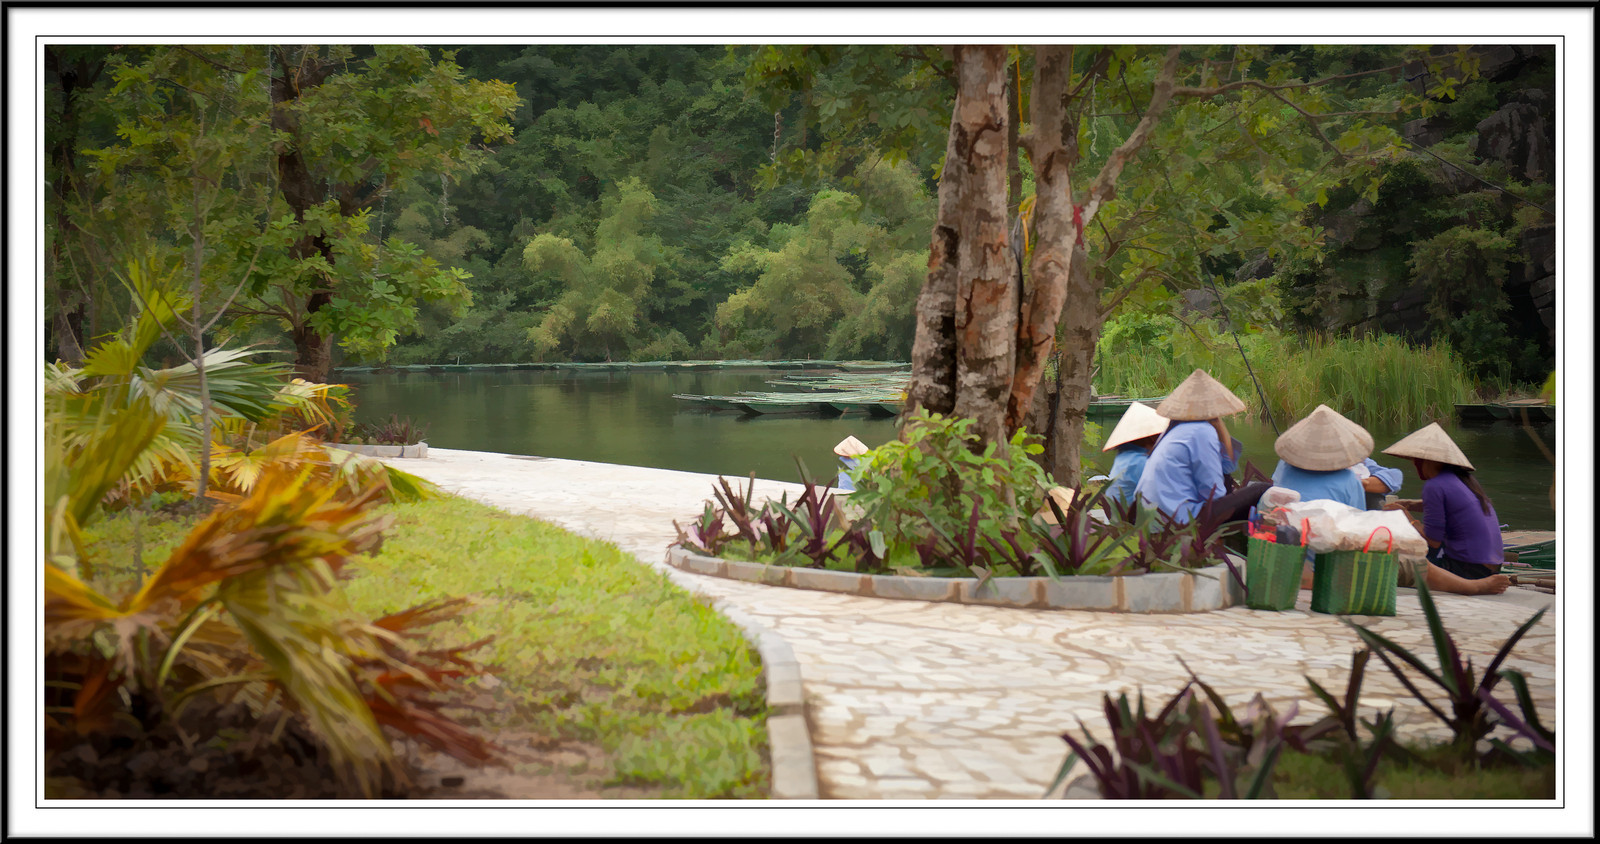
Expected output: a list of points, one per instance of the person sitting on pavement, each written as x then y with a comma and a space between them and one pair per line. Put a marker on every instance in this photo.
1136, 433
1316, 454
1189, 465
1458, 519
1378, 482
849, 450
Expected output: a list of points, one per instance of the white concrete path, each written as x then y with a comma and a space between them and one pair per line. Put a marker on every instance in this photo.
919, 700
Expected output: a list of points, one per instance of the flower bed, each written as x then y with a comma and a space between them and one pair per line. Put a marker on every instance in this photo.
1201, 590
414, 450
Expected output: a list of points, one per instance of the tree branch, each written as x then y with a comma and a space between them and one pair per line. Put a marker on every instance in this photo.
1187, 91
1105, 183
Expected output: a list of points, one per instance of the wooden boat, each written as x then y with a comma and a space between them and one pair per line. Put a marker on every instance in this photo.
870, 405
888, 408
874, 366
1531, 411
768, 407
1104, 406
1539, 555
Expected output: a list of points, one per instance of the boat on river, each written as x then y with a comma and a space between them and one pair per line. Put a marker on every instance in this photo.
774, 407
875, 366
1530, 411
1108, 406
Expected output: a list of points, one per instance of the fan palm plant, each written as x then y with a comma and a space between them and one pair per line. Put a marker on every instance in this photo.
249, 607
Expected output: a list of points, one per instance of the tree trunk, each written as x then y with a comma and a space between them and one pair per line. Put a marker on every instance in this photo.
1080, 332
933, 351
1053, 151
302, 191
986, 292
313, 350
71, 306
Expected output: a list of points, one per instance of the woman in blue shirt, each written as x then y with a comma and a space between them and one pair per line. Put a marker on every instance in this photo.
1134, 436
1317, 453
1189, 465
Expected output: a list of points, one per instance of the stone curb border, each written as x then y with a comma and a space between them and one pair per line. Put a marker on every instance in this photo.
794, 767
1203, 590
406, 451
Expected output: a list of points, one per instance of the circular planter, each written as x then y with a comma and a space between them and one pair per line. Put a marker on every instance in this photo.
417, 450
1202, 590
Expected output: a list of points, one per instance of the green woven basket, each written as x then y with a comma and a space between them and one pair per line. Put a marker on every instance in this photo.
1354, 583
1272, 575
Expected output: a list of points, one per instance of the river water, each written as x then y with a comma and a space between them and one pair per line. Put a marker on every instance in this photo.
631, 418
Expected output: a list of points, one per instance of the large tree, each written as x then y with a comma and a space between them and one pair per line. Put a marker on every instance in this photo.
350, 128
976, 353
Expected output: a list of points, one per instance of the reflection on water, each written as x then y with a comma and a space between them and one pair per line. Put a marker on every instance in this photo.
632, 418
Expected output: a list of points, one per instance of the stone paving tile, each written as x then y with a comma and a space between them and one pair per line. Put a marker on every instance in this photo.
914, 700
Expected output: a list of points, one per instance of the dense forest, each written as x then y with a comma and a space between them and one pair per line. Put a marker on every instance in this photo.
497, 203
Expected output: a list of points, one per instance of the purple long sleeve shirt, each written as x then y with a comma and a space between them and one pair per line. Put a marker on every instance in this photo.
1452, 516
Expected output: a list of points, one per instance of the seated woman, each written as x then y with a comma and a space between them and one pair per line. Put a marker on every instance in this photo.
1188, 466
849, 451
1458, 519
1316, 455
1377, 481
1136, 433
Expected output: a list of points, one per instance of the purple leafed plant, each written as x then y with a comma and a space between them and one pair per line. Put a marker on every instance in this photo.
704, 535
1474, 710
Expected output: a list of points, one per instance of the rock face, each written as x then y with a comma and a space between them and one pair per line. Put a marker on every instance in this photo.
1368, 282
1520, 135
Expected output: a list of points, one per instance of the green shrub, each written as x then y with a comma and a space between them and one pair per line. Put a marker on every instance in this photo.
926, 482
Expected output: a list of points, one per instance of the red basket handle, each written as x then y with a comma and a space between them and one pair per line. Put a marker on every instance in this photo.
1385, 529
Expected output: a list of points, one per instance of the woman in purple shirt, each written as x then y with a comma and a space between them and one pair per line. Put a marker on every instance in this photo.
1458, 520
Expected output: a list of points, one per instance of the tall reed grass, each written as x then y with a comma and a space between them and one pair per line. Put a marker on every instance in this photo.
1373, 379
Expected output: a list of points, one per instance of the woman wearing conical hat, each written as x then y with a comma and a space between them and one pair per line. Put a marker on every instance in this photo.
1136, 433
1316, 455
1458, 519
849, 451
1190, 463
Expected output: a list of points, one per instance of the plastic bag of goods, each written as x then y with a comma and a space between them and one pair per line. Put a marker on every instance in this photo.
1354, 530
1276, 497
1320, 518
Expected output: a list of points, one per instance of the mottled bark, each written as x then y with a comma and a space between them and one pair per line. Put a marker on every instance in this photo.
1053, 151
1080, 333
1063, 305
933, 351
985, 306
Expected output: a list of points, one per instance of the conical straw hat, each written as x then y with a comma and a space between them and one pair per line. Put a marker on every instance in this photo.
1430, 443
1199, 397
1063, 497
1138, 421
1323, 442
850, 447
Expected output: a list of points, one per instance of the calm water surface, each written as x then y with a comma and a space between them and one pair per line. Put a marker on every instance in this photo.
631, 418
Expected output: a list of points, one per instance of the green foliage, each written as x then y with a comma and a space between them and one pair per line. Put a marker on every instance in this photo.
599, 312
1369, 378
808, 292
590, 645
930, 478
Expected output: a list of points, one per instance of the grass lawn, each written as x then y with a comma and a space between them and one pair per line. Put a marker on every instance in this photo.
594, 647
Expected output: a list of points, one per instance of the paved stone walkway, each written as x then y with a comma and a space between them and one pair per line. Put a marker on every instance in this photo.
919, 700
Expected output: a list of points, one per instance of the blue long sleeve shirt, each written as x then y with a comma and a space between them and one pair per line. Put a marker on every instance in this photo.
1392, 478
1186, 468
1126, 470
1339, 485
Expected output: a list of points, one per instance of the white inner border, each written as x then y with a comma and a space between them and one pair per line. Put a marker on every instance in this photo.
1571, 29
